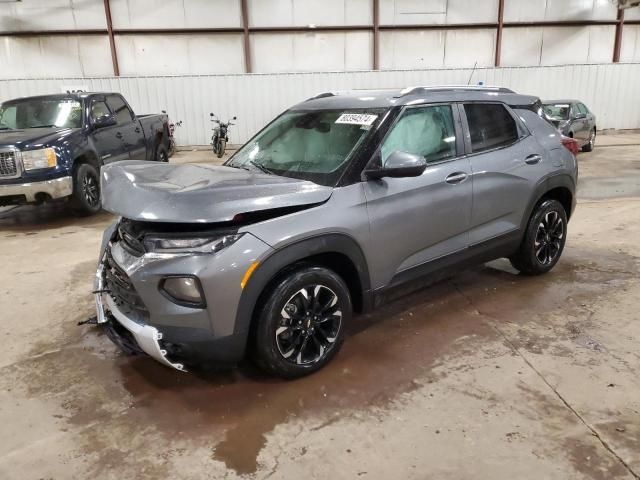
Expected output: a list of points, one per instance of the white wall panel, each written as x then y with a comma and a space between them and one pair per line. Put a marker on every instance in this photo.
630, 48
632, 13
180, 54
407, 12
51, 15
175, 13
556, 10
611, 91
289, 13
311, 51
463, 48
557, 45
47, 56
412, 49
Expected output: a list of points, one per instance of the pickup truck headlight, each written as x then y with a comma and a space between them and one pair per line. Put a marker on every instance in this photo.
190, 244
41, 158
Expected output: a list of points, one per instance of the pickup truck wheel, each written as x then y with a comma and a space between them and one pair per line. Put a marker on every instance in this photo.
543, 240
161, 154
85, 199
302, 323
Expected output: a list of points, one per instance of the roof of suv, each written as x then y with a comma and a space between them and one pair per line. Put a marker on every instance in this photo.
412, 95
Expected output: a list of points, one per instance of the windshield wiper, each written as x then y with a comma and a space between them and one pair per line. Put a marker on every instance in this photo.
261, 167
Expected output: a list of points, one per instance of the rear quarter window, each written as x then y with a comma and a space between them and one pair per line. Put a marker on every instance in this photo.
490, 126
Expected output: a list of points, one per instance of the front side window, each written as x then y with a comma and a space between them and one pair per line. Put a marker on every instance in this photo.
122, 112
313, 145
582, 108
490, 126
41, 113
424, 131
99, 109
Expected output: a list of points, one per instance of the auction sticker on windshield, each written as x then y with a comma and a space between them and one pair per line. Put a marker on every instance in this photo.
357, 118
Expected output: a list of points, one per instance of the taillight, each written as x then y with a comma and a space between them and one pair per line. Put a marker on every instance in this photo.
571, 144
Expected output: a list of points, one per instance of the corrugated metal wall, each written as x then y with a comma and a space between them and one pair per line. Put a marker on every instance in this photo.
612, 91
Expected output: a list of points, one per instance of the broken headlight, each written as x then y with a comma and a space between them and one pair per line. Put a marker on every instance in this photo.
197, 244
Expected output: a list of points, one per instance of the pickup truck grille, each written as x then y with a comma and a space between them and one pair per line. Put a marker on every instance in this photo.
121, 289
8, 164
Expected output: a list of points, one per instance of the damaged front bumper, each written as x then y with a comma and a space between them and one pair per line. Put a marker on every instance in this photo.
146, 337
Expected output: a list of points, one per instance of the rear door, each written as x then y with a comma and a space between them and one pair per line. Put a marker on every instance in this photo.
506, 164
107, 143
418, 219
129, 129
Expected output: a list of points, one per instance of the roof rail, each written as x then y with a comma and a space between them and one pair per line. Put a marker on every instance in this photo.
443, 88
322, 95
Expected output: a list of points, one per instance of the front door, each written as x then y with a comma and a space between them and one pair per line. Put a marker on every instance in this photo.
128, 128
418, 219
107, 142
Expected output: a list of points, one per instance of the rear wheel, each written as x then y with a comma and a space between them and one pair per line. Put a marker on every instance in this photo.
161, 154
544, 239
591, 143
85, 199
301, 325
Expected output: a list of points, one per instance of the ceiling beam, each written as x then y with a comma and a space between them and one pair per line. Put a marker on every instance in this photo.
112, 43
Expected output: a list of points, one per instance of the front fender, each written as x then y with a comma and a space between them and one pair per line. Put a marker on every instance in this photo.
289, 254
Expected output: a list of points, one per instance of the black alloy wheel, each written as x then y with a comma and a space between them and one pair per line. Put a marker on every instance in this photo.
543, 240
310, 322
549, 238
300, 321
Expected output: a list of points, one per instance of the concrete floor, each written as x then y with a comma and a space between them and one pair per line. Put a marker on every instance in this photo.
486, 375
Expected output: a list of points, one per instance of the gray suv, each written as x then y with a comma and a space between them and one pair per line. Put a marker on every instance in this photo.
342, 201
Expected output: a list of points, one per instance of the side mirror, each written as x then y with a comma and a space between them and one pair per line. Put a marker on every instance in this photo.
399, 165
105, 121
579, 116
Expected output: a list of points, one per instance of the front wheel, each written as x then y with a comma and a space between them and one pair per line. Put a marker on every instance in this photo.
591, 143
222, 144
543, 240
302, 323
85, 198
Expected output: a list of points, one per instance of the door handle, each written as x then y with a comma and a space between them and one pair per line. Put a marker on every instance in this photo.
457, 177
118, 135
533, 159
137, 130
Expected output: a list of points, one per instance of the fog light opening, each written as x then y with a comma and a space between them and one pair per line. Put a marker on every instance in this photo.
183, 290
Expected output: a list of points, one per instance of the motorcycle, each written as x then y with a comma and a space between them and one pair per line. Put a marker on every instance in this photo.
220, 135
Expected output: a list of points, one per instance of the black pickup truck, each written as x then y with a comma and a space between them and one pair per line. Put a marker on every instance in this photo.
53, 146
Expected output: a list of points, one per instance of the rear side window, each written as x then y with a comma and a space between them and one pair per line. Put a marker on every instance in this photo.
490, 126
122, 112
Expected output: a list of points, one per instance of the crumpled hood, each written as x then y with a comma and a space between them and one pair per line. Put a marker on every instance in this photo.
198, 193
32, 137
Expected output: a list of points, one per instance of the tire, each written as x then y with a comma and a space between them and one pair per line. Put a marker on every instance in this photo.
221, 146
295, 336
162, 155
591, 143
85, 199
543, 240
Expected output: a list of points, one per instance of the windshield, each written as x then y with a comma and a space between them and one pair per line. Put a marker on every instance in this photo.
41, 112
558, 111
312, 145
